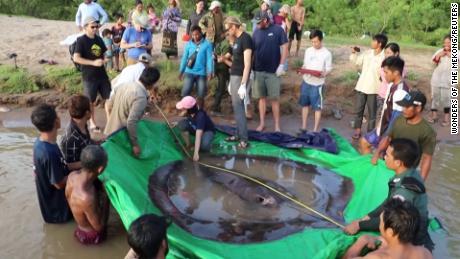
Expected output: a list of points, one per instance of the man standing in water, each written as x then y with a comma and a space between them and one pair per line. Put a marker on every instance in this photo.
239, 76
398, 227
49, 166
89, 52
87, 200
413, 126
401, 156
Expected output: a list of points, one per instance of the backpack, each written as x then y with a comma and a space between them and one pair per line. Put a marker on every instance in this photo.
72, 51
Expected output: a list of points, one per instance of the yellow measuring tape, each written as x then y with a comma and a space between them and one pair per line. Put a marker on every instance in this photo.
248, 177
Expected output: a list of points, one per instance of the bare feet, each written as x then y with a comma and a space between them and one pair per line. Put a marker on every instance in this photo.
261, 128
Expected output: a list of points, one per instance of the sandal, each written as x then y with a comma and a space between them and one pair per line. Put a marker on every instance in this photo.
356, 136
232, 139
432, 120
243, 144
95, 129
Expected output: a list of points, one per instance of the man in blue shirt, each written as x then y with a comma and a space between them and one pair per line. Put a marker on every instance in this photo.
92, 9
137, 39
197, 64
270, 44
50, 169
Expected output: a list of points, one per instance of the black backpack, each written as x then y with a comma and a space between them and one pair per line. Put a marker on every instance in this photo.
72, 51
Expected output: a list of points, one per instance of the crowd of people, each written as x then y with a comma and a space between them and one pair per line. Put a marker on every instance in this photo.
246, 66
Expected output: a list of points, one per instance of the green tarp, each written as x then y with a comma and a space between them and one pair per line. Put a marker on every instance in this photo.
126, 181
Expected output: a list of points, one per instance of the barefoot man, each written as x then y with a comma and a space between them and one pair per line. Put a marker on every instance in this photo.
87, 199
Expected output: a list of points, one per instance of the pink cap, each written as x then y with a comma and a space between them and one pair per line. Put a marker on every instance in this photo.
186, 103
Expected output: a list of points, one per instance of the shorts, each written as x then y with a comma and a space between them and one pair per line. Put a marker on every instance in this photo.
91, 88
294, 31
89, 238
372, 138
266, 84
311, 95
440, 97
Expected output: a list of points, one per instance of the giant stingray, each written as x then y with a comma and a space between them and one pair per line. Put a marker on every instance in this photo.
216, 205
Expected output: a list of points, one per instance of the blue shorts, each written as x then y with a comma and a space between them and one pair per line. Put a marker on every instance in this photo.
311, 95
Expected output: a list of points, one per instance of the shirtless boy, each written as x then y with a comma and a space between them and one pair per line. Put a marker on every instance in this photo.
89, 204
398, 226
298, 20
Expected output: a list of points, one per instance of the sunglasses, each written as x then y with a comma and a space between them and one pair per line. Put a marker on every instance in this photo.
94, 27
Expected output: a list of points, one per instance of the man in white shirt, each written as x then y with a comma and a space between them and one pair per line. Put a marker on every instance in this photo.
317, 64
89, 8
368, 82
132, 73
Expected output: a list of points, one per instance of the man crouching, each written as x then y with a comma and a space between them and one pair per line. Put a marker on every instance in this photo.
86, 197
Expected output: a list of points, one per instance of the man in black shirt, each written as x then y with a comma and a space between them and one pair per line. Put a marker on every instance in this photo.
49, 166
89, 52
239, 75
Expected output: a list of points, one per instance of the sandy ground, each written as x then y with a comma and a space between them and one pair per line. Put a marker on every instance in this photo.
34, 39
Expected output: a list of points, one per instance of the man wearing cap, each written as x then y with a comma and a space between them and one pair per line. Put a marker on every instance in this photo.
92, 9
239, 76
270, 44
198, 124
89, 53
137, 39
132, 73
212, 23
413, 126
127, 105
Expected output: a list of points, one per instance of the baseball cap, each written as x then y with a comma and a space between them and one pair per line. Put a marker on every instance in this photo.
260, 16
413, 98
268, 2
186, 103
214, 4
89, 19
145, 58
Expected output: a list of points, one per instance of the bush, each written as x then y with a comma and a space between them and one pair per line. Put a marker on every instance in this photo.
16, 81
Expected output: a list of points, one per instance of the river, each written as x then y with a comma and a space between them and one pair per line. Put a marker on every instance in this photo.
24, 235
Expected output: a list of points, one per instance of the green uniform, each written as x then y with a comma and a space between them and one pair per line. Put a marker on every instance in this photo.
407, 186
222, 73
221, 49
421, 133
213, 26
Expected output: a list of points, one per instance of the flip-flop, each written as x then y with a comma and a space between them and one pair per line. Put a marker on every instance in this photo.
232, 139
95, 129
432, 120
243, 144
356, 136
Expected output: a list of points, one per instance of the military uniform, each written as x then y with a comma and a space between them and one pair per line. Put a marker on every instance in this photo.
222, 72
213, 26
407, 186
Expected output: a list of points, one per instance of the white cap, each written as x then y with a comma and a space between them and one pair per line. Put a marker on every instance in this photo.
268, 2
398, 95
215, 4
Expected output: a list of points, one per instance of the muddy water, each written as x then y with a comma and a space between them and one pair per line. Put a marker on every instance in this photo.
216, 205
24, 235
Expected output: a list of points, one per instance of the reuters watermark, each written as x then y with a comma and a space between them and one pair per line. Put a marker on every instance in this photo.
454, 69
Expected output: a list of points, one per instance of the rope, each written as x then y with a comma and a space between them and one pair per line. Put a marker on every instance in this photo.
295, 201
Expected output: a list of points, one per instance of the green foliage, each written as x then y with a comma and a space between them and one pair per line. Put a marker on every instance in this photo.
169, 82
16, 81
412, 76
66, 79
425, 21
348, 78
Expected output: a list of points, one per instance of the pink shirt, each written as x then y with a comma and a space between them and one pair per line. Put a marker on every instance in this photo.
384, 85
